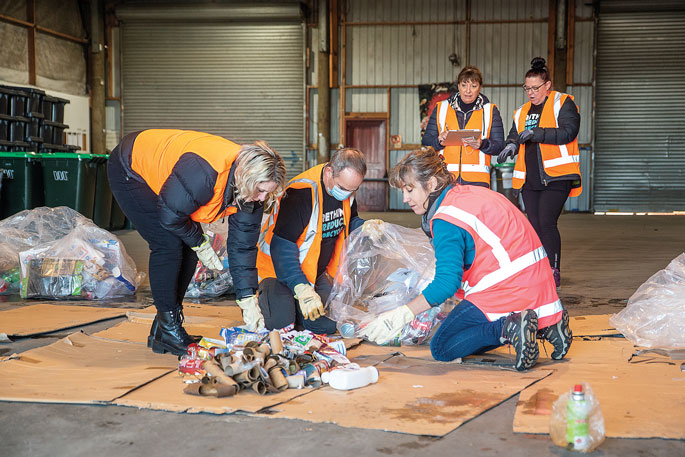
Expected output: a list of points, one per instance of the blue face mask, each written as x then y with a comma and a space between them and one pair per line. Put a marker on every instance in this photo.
340, 194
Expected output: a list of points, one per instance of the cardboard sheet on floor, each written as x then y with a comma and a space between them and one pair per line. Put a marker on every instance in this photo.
195, 310
640, 396
166, 394
80, 369
137, 332
592, 325
411, 396
43, 318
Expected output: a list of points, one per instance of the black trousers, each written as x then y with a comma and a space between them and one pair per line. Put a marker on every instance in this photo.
172, 262
280, 308
543, 208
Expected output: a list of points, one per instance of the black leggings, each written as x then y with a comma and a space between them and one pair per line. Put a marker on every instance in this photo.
172, 262
543, 208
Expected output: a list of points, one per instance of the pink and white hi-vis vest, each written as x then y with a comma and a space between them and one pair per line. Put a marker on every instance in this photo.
510, 271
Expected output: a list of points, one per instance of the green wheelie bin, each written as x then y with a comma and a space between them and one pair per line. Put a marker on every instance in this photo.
70, 179
102, 211
22, 182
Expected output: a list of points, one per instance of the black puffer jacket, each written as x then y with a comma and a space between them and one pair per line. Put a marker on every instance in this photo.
190, 186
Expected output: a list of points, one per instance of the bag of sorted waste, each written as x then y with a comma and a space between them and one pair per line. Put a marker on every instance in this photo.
211, 283
61, 254
379, 271
207, 282
655, 314
576, 422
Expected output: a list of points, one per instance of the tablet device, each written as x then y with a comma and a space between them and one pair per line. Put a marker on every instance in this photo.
455, 137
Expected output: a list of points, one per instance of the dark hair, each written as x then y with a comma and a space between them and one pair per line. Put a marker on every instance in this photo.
538, 67
421, 165
470, 73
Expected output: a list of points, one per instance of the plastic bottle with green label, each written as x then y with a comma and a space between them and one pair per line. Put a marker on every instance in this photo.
577, 415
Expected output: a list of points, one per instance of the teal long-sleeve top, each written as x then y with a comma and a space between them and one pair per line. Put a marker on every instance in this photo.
454, 254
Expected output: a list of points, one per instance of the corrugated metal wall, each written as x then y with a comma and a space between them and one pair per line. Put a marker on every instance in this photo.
243, 81
640, 111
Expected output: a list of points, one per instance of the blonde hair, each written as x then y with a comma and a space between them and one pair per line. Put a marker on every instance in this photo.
420, 166
258, 163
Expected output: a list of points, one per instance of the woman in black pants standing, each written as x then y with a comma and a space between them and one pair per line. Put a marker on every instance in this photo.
544, 134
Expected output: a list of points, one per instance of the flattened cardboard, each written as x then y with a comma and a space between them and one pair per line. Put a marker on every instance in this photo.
592, 325
43, 318
80, 369
411, 396
137, 332
166, 394
222, 312
643, 398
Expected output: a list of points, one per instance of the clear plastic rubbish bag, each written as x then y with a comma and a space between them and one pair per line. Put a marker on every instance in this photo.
75, 260
211, 283
379, 270
576, 422
655, 314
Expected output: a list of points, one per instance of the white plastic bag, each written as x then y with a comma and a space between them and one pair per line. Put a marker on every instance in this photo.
377, 274
655, 314
559, 421
211, 283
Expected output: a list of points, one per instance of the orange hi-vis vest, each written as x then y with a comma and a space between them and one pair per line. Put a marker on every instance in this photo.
557, 159
156, 151
471, 164
309, 242
510, 271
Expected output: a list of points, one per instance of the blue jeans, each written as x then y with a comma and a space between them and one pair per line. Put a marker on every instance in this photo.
465, 331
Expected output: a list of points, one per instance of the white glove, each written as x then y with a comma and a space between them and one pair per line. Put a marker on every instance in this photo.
207, 256
252, 315
374, 229
388, 325
310, 302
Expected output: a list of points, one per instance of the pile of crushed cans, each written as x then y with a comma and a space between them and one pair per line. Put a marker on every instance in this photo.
264, 362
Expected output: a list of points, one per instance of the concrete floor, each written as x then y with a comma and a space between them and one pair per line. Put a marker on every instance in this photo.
605, 258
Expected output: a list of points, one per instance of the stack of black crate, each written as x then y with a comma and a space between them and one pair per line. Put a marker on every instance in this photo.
31, 120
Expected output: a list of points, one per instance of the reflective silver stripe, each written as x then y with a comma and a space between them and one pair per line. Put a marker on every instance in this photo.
506, 271
452, 167
519, 174
481, 229
517, 115
442, 115
550, 309
310, 234
487, 113
473, 168
263, 245
557, 108
563, 160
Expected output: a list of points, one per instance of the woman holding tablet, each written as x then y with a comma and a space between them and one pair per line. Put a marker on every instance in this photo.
467, 156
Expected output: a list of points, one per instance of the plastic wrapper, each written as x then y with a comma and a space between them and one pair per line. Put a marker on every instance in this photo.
562, 433
211, 283
655, 314
381, 269
63, 255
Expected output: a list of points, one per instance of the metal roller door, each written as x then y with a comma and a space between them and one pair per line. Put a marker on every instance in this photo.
217, 70
640, 108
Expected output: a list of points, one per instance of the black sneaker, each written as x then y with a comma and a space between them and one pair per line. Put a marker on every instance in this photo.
520, 330
560, 335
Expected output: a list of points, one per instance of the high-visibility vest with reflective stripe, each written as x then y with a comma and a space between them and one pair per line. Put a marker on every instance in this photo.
557, 159
156, 152
471, 164
510, 271
309, 242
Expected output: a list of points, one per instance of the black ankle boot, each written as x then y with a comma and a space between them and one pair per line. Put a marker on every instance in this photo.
170, 335
195, 338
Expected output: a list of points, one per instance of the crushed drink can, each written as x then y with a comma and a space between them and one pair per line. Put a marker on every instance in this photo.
190, 366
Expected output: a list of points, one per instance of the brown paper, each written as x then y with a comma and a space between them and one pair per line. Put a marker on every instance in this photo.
43, 318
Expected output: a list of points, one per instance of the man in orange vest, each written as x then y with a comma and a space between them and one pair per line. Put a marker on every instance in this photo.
301, 242
167, 182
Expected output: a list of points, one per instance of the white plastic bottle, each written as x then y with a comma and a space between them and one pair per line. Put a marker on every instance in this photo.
350, 378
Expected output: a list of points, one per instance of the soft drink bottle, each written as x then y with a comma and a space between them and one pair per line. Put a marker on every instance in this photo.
577, 415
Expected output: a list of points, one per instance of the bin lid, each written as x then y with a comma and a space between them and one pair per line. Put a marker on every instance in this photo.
19, 155
504, 165
72, 155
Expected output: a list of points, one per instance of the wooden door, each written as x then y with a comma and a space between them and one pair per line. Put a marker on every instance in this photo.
369, 136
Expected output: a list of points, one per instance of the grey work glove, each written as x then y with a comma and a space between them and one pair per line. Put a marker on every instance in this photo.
509, 150
525, 136
206, 255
